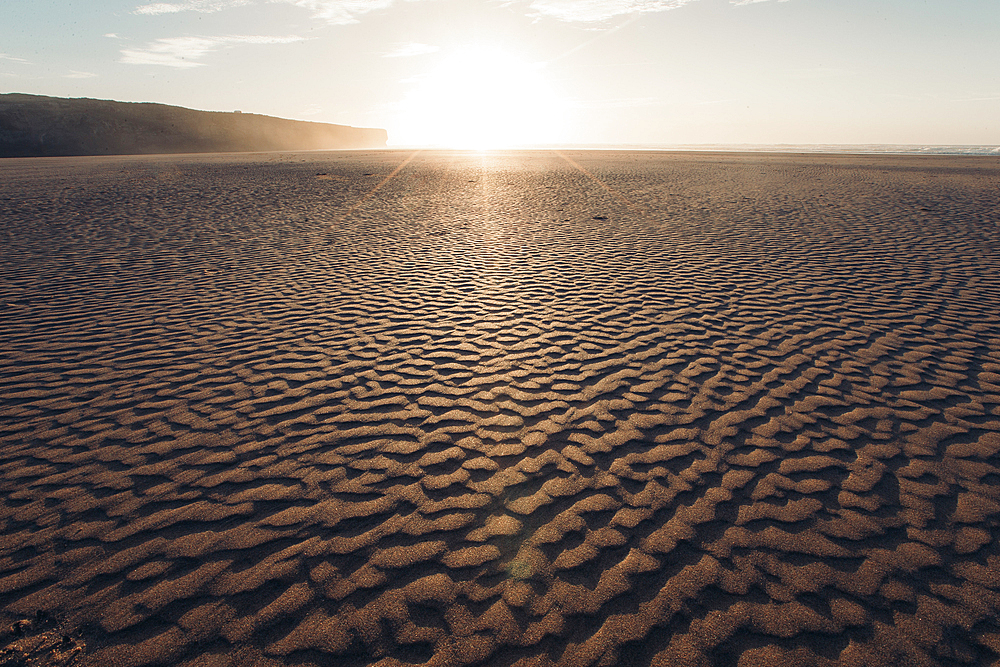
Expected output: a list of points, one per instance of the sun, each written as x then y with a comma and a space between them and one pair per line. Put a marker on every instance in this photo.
482, 97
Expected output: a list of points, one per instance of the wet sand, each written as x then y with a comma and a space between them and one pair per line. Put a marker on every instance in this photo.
500, 409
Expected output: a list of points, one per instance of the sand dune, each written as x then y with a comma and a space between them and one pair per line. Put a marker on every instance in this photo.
505, 409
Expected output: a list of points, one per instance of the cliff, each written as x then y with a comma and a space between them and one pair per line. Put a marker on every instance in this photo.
33, 125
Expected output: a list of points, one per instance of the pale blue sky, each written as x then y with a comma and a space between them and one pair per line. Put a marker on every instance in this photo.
576, 71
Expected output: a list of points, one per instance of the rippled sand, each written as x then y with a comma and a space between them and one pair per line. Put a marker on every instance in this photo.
501, 409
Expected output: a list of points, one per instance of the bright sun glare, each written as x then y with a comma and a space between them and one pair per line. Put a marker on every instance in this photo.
479, 97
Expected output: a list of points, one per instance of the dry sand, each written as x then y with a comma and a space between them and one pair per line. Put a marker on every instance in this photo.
513, 409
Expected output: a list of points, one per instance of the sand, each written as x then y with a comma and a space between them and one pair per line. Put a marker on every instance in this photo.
500, 409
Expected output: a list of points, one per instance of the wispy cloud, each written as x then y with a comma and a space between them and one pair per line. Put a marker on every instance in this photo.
599, 10
591, 11
337, 12
13, 59
74, 74
603, 32
410, 50
340, 12
948, 98
184, 52
201, 6
989, 98
942, 97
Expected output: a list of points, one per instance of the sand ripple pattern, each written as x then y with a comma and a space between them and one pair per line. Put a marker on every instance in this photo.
513, 409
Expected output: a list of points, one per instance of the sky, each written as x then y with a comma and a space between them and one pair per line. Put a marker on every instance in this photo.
496, 73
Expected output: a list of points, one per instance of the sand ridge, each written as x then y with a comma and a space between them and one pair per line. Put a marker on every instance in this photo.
514, 409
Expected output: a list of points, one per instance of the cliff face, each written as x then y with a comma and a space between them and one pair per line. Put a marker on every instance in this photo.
33, 125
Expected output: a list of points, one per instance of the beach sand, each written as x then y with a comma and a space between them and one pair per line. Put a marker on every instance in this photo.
524, 408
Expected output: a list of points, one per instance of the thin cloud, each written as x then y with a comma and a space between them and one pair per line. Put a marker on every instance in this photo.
13, 59
593, 11
990, 98
184, 52
939, 97
200, 6
342, 12
410, 50
590, 11
600, 35
73, 74
339, 12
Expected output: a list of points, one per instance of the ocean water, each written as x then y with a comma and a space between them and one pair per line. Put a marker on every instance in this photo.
852, 149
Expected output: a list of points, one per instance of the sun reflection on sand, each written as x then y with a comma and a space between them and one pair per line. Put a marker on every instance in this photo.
378, 186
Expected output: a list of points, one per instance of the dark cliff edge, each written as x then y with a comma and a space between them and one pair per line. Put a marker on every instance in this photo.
34, 126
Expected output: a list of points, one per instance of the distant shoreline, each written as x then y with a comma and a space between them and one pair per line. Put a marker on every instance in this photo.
798, 151
818, 149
